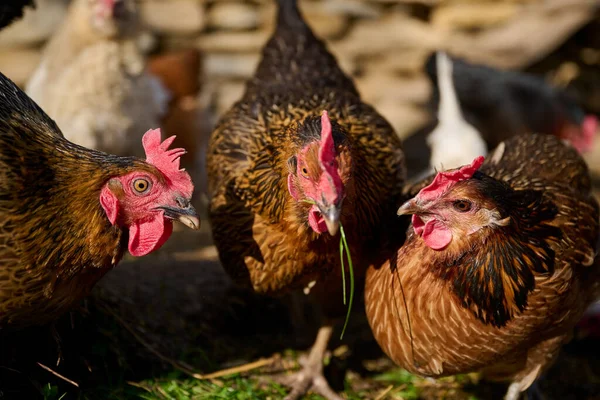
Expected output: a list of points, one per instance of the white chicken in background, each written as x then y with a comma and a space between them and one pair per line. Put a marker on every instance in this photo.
93, 80
454, 142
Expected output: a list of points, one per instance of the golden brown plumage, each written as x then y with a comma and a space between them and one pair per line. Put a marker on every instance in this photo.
56, 241
266, 158
505, 292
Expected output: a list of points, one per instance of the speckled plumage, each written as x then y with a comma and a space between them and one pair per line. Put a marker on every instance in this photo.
262, 235
55, 240
505, 301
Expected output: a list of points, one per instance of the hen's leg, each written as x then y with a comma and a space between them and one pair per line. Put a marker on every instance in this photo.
513, 392
310, 377
532, 393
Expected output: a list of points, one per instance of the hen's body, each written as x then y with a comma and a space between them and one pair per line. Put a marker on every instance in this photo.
262, 233
505, 304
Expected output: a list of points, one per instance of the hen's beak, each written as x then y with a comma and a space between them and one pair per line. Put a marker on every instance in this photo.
331, 215
409, 208
186, 213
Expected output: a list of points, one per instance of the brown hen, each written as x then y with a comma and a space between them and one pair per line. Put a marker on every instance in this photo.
498, 266
299, 154
67, 213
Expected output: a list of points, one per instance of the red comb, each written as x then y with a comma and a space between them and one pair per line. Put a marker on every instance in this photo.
589, 128
444, 180
167, 161
327, 147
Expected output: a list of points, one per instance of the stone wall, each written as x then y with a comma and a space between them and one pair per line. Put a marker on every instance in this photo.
382, 43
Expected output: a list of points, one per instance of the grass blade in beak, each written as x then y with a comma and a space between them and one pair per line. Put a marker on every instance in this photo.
351, 273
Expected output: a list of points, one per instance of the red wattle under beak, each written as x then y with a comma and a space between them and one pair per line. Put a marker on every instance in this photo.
582, 137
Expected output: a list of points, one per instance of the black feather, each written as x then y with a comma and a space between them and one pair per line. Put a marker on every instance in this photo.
11, 10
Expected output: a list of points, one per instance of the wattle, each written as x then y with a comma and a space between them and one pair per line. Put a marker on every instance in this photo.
316, 220
147, 236
435, 233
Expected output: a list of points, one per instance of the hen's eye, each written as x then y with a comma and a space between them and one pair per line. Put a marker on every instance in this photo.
462, 205
141, 185
304, 172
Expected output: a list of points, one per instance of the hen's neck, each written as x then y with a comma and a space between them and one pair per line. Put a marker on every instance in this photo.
77, 234
491, 272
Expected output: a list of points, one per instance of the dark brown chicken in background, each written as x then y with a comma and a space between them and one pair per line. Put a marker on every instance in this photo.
501, 104
497, 268
67, 214
180, 71
299, 154
12, 10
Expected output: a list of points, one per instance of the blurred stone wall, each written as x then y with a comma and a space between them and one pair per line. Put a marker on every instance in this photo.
382, 43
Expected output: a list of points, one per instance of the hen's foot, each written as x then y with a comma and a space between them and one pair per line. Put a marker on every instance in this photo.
310, 377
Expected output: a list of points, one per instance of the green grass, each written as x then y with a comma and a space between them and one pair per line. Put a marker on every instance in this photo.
175, 386
236, 388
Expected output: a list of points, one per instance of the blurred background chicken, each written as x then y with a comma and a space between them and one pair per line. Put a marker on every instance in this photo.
479, 106
499, 264
93, 81
454, 141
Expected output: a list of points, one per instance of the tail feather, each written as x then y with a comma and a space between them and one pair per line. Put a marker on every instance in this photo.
289, 16
449, 107
295, 57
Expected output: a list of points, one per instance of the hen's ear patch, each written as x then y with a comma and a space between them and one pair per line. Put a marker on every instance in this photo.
292, 187
109, 203
446, 179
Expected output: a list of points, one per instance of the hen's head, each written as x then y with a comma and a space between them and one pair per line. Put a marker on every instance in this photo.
573, 125
319, 172
147, 200
458, 203
112, 17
